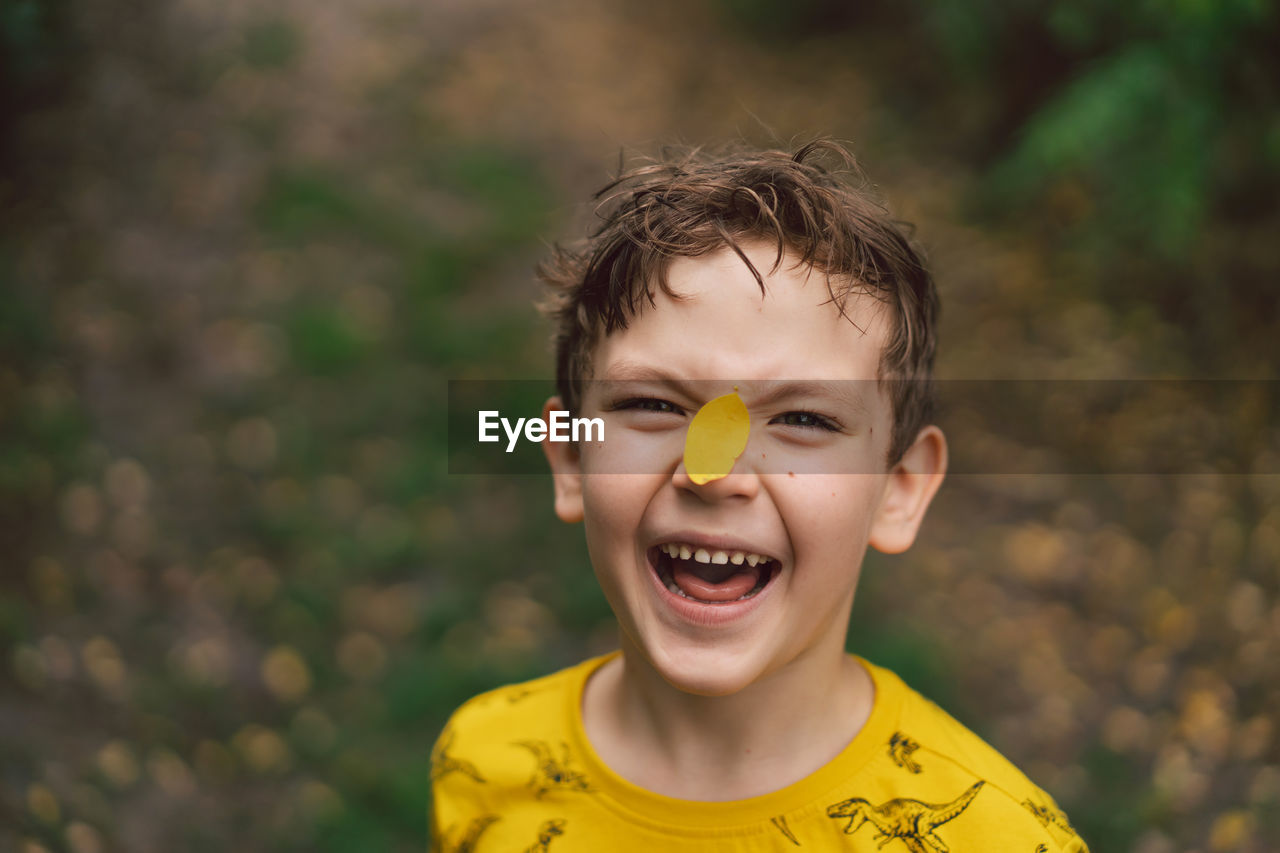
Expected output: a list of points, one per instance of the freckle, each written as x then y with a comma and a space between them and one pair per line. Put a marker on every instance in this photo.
791, 473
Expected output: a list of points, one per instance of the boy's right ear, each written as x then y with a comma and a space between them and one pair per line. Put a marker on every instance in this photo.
566, 469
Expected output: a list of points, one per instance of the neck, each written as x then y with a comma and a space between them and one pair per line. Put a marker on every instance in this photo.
774, 732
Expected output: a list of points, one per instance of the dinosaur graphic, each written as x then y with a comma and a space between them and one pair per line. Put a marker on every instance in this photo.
549, 830
900, 749
781, 823
518, 694
550, 774
442, 763
467, 844
1047, 814
911, 821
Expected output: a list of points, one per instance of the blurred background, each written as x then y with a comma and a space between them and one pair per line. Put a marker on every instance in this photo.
244, 245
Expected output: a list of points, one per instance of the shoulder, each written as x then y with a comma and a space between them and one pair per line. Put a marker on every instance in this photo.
492, 737
927, 741
499, 754
527, 702
538, 708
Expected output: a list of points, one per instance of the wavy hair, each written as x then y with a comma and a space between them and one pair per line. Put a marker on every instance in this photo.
693, 203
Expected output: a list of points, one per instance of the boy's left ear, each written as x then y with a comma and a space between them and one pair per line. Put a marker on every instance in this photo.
912, 484
566, 469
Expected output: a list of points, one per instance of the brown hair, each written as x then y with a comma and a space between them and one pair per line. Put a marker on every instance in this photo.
693, 204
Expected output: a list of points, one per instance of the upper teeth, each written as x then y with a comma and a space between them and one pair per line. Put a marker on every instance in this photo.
704, 555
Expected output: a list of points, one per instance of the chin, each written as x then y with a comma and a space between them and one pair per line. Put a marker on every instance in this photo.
704, 671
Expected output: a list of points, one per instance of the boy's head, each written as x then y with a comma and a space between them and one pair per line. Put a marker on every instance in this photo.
762, 274
695, 205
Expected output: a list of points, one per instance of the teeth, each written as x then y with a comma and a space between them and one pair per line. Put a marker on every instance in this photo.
705, 555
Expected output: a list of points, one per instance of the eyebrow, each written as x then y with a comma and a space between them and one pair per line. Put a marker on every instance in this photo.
841, 390
633, 371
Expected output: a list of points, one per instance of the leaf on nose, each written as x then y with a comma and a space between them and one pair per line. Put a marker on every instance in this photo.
717, 436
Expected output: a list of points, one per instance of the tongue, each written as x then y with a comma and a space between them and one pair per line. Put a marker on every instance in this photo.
712, 582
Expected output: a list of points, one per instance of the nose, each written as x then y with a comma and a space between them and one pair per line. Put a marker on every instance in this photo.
741, 482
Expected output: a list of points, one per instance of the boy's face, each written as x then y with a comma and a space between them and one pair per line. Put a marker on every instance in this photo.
790, 497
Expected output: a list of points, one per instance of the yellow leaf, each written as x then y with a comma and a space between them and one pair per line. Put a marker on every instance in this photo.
717, 436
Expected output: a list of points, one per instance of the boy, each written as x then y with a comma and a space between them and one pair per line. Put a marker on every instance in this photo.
732, 719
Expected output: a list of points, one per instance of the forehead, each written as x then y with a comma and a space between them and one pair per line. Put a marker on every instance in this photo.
721, 326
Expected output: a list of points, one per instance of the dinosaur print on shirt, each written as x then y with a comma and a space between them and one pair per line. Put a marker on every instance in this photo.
911, 821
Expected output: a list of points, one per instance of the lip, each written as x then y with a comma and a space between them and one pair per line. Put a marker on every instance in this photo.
706, 614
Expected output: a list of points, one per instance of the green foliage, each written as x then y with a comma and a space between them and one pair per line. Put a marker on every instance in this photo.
1129, 107
297, 205
509, 186
1141, 111
24, 323
324, 340
14, 622
914, 656
1137, 136
356, 829
272, 44
1122, 804
41, 425
437, 272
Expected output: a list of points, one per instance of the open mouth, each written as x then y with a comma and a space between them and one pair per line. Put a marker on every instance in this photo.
711, 577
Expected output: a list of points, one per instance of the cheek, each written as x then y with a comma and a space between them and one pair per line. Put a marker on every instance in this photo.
613, 506
830, 517
633, 451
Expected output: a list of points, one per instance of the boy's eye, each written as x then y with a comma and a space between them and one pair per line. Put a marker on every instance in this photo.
806, 420
648, 404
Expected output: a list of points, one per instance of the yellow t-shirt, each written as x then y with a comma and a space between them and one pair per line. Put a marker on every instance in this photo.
514, 771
